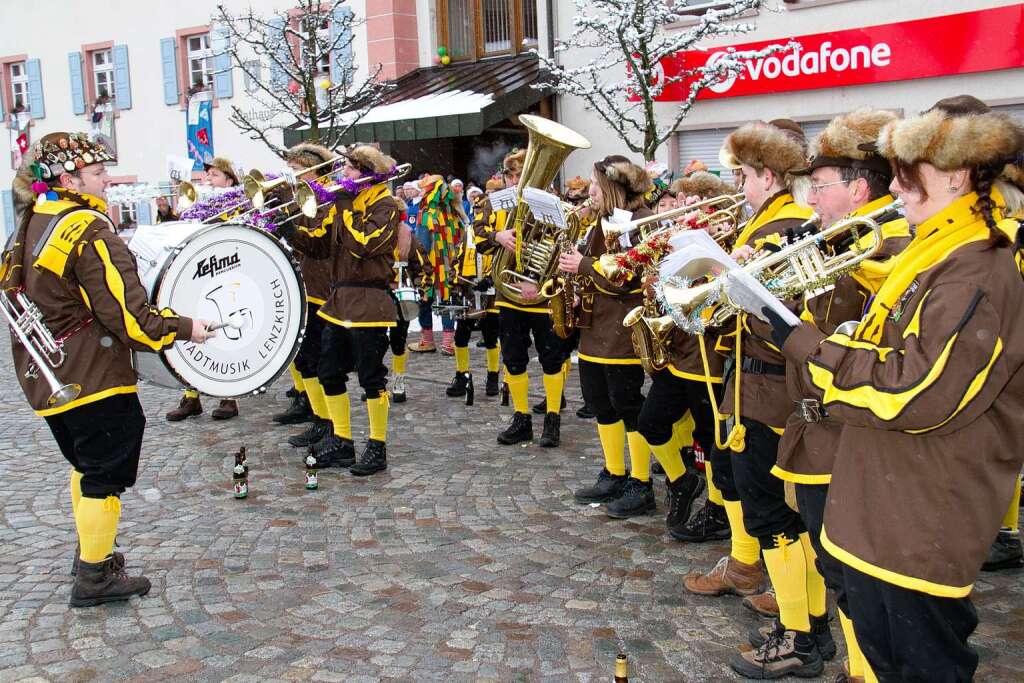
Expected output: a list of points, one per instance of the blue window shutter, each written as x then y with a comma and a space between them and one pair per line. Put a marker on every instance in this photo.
144, 213
35, 89
77, 84
122, 77
341, 58
169, 62
222, 73
275, 37
10, 221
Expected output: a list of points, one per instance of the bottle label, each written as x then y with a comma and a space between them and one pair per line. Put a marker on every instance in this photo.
241, 488
311, 480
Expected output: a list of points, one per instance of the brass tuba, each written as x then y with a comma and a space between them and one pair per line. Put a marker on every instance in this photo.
537, 250
651, 335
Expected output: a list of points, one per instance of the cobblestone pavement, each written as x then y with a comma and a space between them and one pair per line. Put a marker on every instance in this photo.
465, 561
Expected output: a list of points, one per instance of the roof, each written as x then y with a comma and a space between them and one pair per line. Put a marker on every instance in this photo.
448, 101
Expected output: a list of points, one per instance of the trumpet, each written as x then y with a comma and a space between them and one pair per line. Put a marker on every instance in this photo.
723, 206
810, 265
26, 321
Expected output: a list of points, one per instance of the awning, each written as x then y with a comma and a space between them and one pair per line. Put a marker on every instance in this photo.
448, 101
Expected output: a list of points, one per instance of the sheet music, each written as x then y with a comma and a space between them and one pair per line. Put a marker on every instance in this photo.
504, 199
750, 295
179, 168
546, 207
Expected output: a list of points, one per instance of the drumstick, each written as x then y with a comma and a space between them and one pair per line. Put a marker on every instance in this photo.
235, 322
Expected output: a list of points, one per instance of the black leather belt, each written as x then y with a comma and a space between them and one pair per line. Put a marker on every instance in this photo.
380, 284
757, 367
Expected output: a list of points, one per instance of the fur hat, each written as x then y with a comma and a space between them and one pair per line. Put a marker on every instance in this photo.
513, 162
763, 145
618, 169
225, 167
848, 142
308, 154
577, 188
701, 184
494, 184
949, 142
53, 155
369, 159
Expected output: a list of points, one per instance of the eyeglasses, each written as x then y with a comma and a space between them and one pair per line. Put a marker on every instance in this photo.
816, 189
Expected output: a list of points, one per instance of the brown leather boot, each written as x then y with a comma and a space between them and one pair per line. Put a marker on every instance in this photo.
226, 410
102, 582
763, 603
187, 408
729, 576
117, 559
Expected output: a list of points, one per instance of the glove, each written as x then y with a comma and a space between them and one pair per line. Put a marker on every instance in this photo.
286, 231
780, 328
483, 284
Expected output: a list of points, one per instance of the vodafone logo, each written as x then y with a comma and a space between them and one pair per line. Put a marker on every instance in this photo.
799, 62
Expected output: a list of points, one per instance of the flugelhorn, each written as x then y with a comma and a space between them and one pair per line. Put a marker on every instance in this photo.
722, 205
26, 321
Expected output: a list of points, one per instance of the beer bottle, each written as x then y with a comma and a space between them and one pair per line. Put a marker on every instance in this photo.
311, 478
240, 475
621, 669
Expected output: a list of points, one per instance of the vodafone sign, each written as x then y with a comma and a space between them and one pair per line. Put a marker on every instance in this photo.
986, 40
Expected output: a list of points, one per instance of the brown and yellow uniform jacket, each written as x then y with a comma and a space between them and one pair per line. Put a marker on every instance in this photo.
808, 449
85, 282
486, 222
359, 235
417, 270
603, 305
930, 392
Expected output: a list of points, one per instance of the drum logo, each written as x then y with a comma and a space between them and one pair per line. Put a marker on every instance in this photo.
215, 265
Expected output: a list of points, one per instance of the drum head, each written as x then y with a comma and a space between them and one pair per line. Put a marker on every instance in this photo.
240, 272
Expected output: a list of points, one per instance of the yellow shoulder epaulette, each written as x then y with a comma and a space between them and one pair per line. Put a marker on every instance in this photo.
62, 234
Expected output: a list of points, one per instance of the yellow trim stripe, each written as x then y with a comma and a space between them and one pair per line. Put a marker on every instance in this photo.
349, 323
914, 328
692, 376
889, 576
314, 300
115, 284
846, 342
609, 361
972, 390
84, 400
809, 479
514, 307
327, 222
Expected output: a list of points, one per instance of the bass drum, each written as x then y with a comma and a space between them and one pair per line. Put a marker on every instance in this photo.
215, 272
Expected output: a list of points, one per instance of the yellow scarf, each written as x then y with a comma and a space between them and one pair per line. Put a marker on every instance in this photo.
778, 208
870, 274
939, 236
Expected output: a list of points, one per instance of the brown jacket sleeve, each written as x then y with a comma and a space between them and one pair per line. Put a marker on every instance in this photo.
942, 374
109, 281
365, 233
312, 236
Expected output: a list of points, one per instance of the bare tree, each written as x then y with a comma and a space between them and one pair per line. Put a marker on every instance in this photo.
629, 39
308, 52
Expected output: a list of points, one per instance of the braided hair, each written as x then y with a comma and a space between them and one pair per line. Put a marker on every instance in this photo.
983, 178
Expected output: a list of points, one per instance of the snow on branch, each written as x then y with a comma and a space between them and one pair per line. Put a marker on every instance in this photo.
626, 41
298, 67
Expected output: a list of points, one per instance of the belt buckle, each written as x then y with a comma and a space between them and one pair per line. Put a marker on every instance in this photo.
810, 410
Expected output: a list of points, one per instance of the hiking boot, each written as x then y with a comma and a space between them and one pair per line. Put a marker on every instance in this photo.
542, 407
845, 677
637, 499
187, 407
298, 412
100, 582
374, 459
710, 523
398, 389
729, 576
551, 436
116, 558
681, 495
1005, 552
519, 430
458, 385
226, 410
656, 468
607, 487
491, 388
763, 603
448, 343
819, 629
291, 393
585, 413
312, 434
423, 346
334, 451
784, 653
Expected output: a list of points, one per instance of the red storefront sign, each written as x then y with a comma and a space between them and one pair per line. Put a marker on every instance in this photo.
985, 40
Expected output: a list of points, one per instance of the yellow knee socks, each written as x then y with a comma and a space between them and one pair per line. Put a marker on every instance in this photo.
97, 526
639, 456
787, 569
1012, 519
667, 454
317, 402
191, 393
815, 581
613, 443
682, 430
553, 384
297, 381
76, 490
714, 495
745, 547
855, 659
378, 412
461, 359
518, 386
341, 416
398, 363
493, 356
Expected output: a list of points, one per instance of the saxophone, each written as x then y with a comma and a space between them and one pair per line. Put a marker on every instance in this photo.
650, 332
560, 289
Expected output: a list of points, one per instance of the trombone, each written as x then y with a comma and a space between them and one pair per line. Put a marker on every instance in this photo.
256, 184
306, 199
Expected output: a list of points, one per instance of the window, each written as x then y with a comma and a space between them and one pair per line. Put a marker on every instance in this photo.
482, 28
19, 85
199, 60
252, 73
315, 30
102, 73
128, 213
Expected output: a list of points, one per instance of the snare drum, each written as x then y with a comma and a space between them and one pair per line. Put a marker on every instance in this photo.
214, 272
